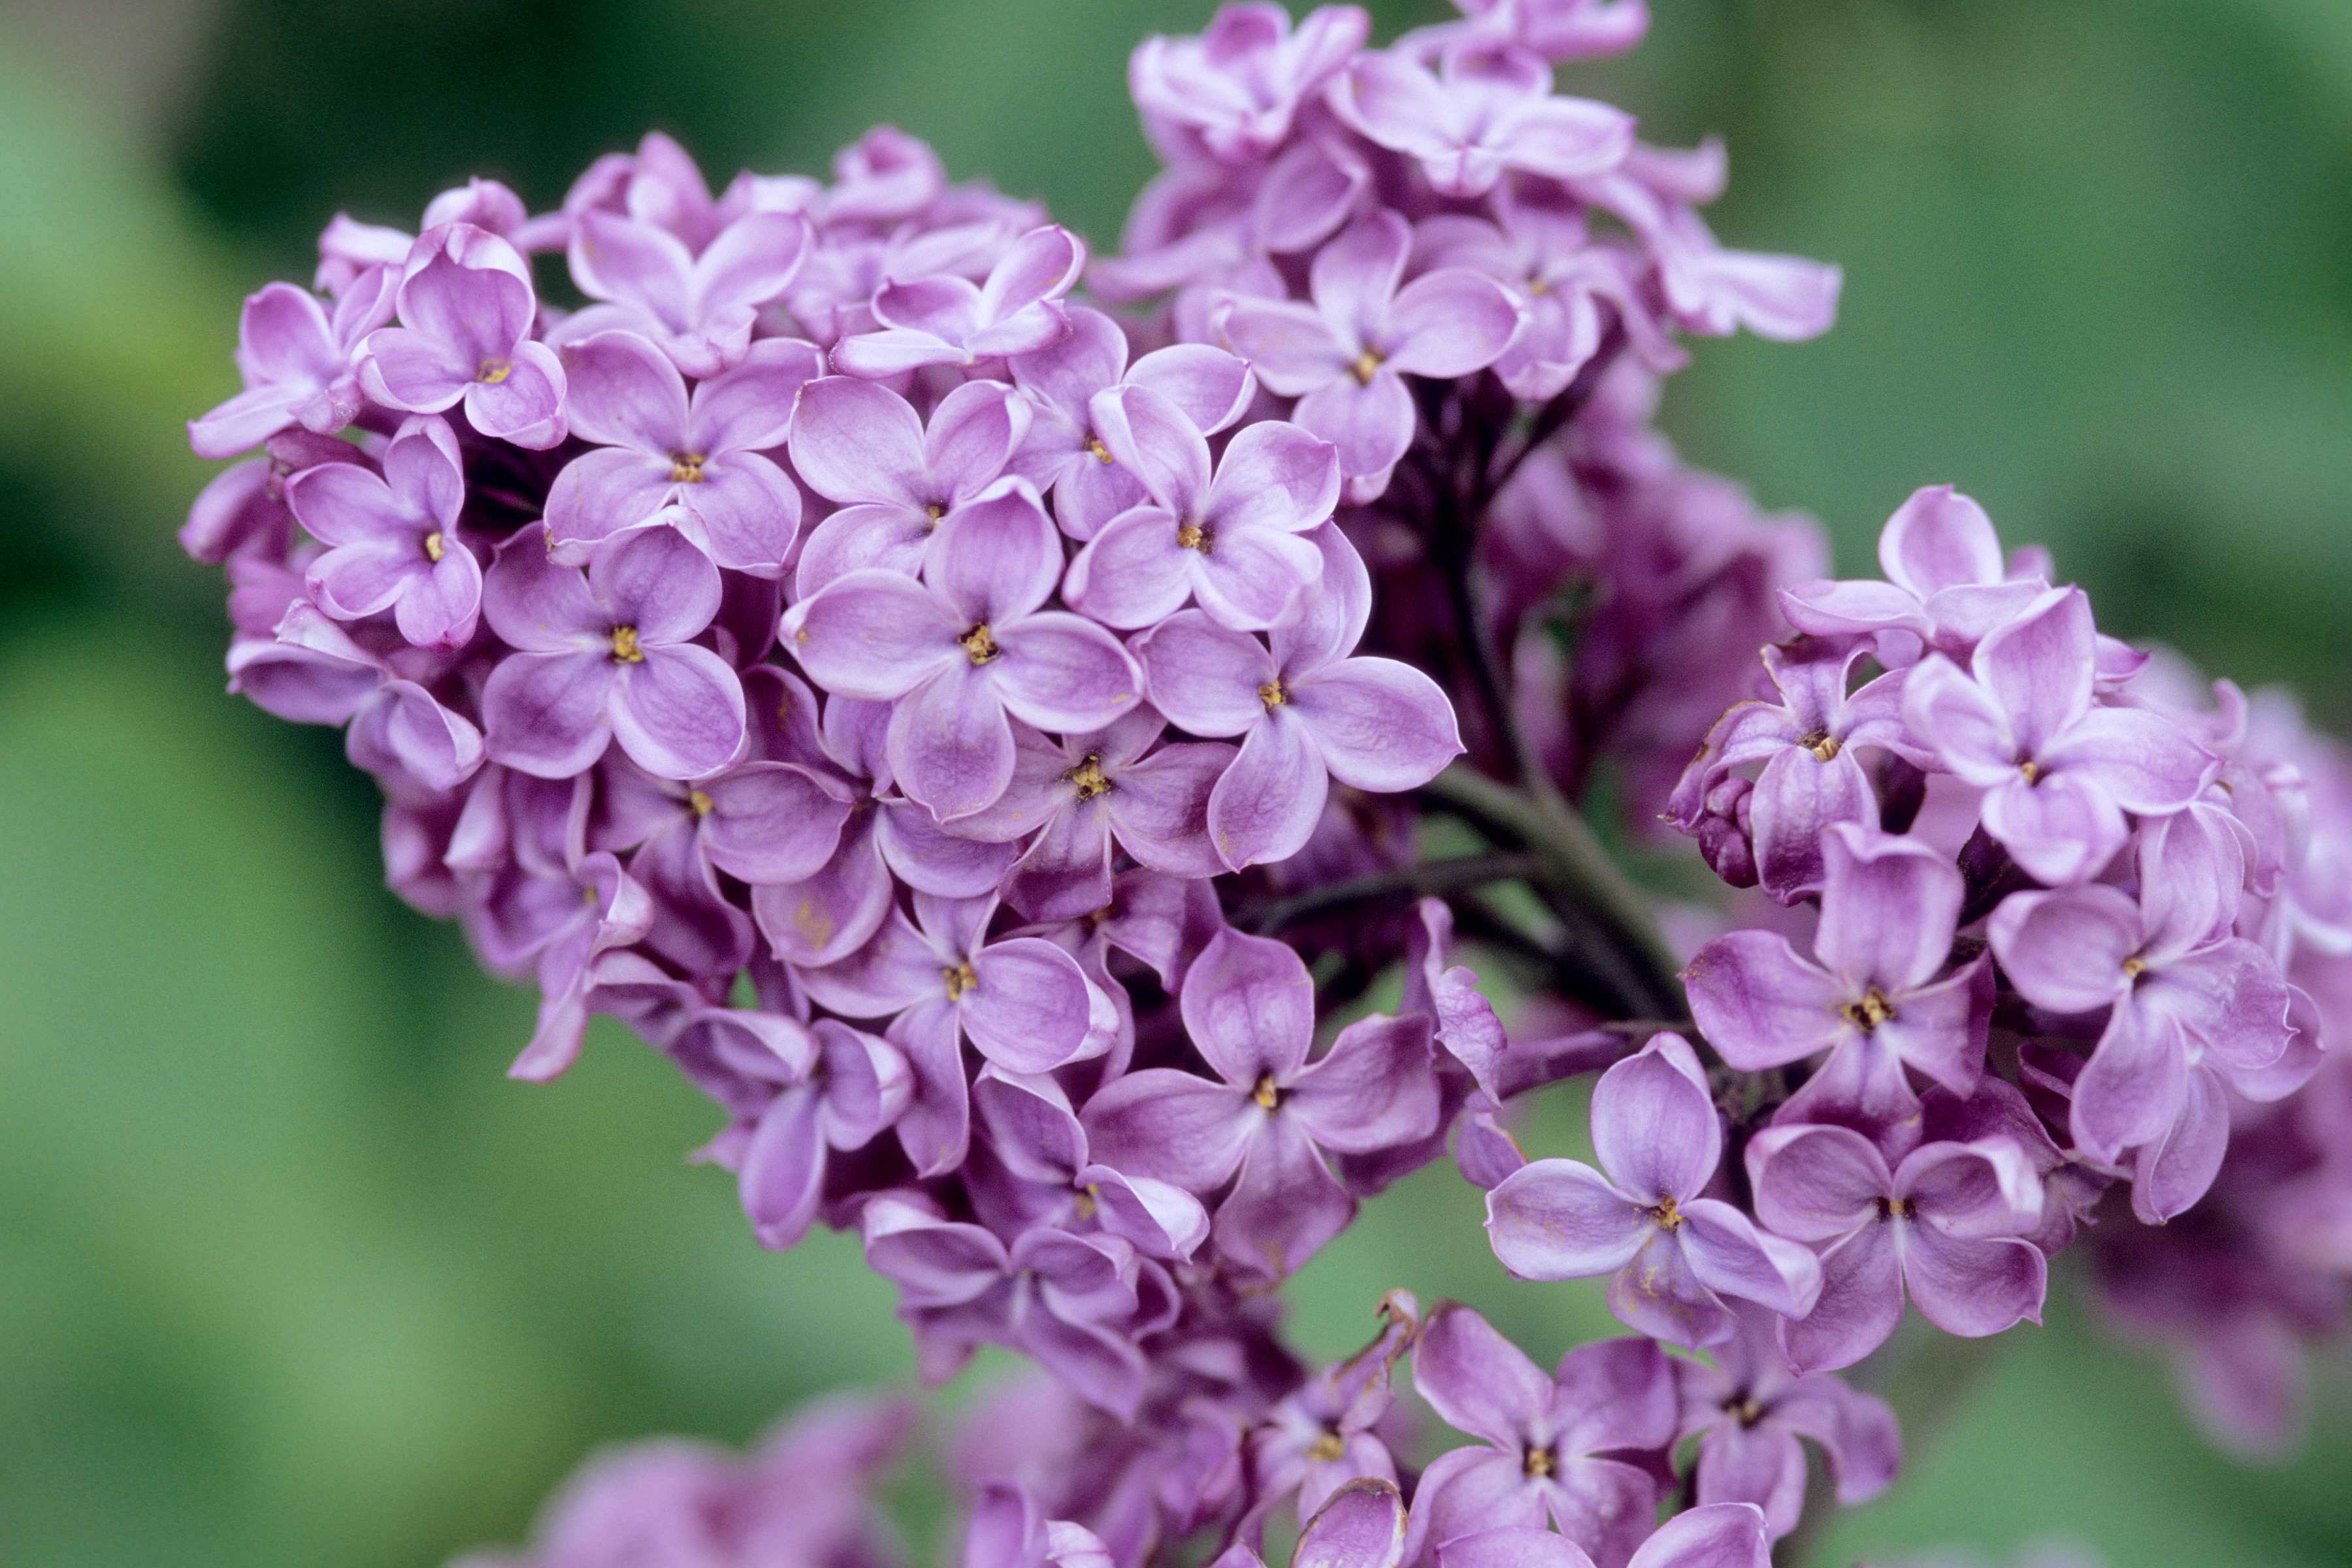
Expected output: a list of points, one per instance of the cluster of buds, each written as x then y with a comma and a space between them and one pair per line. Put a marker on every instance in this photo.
986, 740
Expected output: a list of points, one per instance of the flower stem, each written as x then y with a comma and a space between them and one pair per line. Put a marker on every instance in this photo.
1427, 878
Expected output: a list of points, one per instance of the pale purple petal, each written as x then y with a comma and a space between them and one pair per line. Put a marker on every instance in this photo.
1560, 1219
1381, 726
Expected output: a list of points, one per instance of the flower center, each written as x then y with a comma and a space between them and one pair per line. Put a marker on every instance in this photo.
979, 646
1869, 1011
685, 468
493, 370
1267, 1094
1101, 452
1742, 1407
701, 802
935, 512
1822, 744
1193, 536
1537, 286
1088, 778
1536, 1463
2031, 769
1328, 1445
2135, 966
1272, 694
1894, 1208
625, 646
1089, 1199
1367, 365
959, 978
1667, 1213
435, 547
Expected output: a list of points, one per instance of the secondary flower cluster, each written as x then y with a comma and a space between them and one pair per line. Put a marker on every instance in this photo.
990, 745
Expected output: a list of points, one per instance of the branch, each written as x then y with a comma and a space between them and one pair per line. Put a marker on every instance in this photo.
1429, 878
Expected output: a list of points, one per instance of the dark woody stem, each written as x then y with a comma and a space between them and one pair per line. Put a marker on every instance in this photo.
1428, 878
1612, 933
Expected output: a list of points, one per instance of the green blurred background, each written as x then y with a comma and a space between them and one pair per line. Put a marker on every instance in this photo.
290, 1275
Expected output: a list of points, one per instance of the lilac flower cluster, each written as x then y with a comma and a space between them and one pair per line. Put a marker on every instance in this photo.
993, 746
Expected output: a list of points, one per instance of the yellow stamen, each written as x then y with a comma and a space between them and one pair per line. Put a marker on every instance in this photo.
625, 646
685, 468
1088, 778
1744, 1410
978, 644
2135, 966
494, 370
434, 547
1267, 1094
935, 512
1667, 1215
1367, 365
1329, 1446
1537, 288
959, 978
1193, 536
1537, 1464
701, 802
1089, 1199
1102, 453
1870, 1010
1822, 744
1272, 694
2031, 769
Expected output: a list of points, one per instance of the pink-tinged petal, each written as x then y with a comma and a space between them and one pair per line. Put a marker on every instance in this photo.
1797, 799
2038, 668
826, 917
1477, 1381
1613, 1394
1728, 1255
1266, 804
783, 1174
1354, 277
876, 635
1856, 1431
1373, 1089
1603, 1505
1974, 1190
401, 369
1716, 1535
364, 578
1285, 1205
1132, 573
1158, 1217
1381, 725
1970, 734
1152, 439
1361, 1526
1064, 674
1861, 1302
1861, 1085
752, 407
1763, 1465
1206, 677
1658, 1294
1369, 422
933, 1263
1467, 1492
2170, 1174
853, 441
1171, 1127
1889, 906
772, 821
1251, 579
750, 261
679, 713
623, 391
936, 1127
441, 606
656, 581
1331, 617
525, 405
1567, 138
1788, 299
283, 335
1653, 1123
878, 356
1939, 539
1973, 1288
2133, 1087
941, 307
2231, 998
1816, 1184
1823, 608
1248, 1006
747, 514
1090, 358
1760, 1005
1289, 346
1276, 476
995, 558
599, 494
973, 433
1560, 1219
880, 537
1040, 265
404, 730
1209, 387
616, 257
2140, 759
2065, 951
951, 745
932, 859
1941, 1029
546, 713
2061, 828
1028, 1009
1159, 808
241, 423
1449, 323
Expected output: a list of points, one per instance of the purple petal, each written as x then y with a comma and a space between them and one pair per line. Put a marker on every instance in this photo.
1171, 1127
1248, 1006
1939, 539
1373, 1089
951, 745
601, 493
1290, 346
2141, 760
772, 821
1889, 906
1362, 1526
547, 713
1760, 1004
1381, 726
752, 407
1206, 677
1065, 674
525, 405
853, 441
1860, 1303
876, 635
1653, 1123
1370, 422
1560, 1219
1286, 1202
1972, 1288
623, 391
2060, 827
1816, 1184
1252, 578
1266, 804
2038, 668
679, 712
2133, 1087
1478, 1381
1730, 1257
656, 581
1716, 1535
1159, 808
1029, 1008
1132, 573
747, 513
2065, 951
1449, 323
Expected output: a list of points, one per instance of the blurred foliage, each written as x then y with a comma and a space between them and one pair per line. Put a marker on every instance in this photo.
290, 1276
